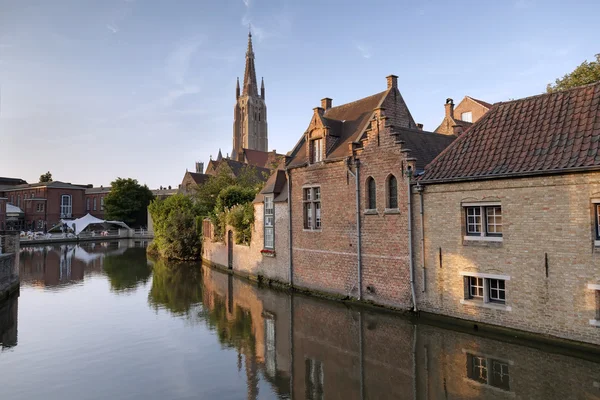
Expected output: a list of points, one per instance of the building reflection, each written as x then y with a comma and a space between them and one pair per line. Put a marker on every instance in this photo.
308, 348
58, 266
9, 312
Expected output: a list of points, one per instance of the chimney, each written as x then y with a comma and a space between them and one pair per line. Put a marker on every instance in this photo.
457, 130
449, 108
392, 81
319, 110
199, 167
326, 103
420, 127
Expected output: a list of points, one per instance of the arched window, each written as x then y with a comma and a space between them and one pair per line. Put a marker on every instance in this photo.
371, 194
392, 192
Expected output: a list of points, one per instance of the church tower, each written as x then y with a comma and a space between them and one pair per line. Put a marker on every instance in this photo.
250, 114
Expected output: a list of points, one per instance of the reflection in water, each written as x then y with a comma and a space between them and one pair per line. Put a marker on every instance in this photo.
9, 311
242, 341
176, 287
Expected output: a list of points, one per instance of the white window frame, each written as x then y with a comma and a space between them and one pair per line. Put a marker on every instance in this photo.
95, 203
316, 150
486, 301
87, 204
311, 208
467, 116
269, 222
66, 208
596, 289
596, 204
102, 203
484, 234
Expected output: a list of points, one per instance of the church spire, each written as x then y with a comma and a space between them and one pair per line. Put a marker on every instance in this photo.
250, 84
219, 156
262, 88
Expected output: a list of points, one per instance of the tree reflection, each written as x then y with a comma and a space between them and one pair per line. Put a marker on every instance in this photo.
126, 271
176, 286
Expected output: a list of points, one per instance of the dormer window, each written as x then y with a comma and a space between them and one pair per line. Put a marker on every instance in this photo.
467, 116
316, 150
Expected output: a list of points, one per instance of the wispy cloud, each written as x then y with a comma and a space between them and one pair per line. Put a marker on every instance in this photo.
113, 28
178, 62
173, 95
246, 3
364, 50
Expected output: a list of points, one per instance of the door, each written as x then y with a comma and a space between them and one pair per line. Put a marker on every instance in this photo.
230, 249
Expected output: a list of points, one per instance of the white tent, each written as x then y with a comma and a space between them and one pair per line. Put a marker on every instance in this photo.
79, 224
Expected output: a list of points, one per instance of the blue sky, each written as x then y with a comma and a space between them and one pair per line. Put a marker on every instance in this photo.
92, 90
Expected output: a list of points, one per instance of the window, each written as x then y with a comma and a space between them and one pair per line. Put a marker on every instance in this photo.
65, 206
484, 221
488, 371
312, 208
18, 200
40, 207
392, 192
483, 289
270, 345
467, 116
269, 222
12, 199
87, 204
316, 150
315, 378
371, 194
102, 203
596, 289
95, 203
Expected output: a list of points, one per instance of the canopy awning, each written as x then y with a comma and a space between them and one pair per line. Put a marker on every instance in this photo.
78, 225
13, 211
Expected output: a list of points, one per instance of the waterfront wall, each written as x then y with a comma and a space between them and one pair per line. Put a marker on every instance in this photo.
548, 255
248, 260
9, 264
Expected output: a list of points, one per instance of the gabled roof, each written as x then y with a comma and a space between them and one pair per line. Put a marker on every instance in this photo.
197, 177
483, 103
237, 167
275, 185
345, 122
550, 133
424, 146
258, 158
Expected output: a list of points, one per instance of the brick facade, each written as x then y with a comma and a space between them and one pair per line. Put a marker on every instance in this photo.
3, 202
547, 221
453, 115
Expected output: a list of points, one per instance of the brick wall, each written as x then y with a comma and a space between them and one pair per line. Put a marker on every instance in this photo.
467, 105
3, 202
326, 260
249, 259
551, 216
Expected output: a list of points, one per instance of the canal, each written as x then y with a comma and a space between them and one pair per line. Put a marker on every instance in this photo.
103, 321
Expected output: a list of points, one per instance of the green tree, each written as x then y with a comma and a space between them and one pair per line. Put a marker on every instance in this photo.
587, 72
47, 177
177, 228
128, 202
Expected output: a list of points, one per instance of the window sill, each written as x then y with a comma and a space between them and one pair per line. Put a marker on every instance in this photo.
491, 306
483, 238
595, 322
391, 211
371, 212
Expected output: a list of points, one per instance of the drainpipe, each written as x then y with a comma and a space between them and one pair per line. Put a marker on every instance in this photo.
289, 193
420, 189
410, 248
358, 226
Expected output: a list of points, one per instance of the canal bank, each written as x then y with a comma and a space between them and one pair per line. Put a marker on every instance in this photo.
156, 329
509, 335
9, 265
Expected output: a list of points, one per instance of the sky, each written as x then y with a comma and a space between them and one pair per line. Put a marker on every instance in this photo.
92, 90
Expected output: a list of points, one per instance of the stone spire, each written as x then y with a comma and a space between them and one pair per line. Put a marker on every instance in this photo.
262, 88
237, 89
219, 156
250, 84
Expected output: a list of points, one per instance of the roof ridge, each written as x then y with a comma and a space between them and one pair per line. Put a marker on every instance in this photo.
548, 94
354, 102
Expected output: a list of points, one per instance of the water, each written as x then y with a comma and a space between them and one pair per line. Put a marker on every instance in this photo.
105, 322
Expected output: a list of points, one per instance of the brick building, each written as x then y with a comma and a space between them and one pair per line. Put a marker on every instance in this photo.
518, 197
94, 200
45, 204
373, 141
459, 119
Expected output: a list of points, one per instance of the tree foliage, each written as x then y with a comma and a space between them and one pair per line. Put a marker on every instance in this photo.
47, 177
586, 72
177, 228
128, 201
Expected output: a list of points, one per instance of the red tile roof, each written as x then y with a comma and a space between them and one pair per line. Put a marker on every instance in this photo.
256, 158
346, 123
550, 133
